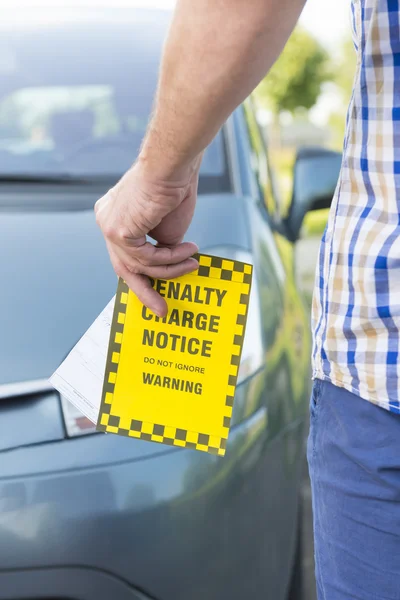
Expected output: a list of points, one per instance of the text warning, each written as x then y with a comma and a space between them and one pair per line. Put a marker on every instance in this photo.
173, 380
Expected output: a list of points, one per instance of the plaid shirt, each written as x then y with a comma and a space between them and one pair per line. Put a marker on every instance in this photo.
356, 305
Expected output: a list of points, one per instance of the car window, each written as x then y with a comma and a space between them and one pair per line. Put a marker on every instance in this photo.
260, 162
84, 113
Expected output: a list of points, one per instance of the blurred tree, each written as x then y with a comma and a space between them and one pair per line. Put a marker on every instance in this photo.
296, 79
344, 77
344, 72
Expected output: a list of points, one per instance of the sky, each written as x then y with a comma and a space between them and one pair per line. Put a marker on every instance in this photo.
326, 19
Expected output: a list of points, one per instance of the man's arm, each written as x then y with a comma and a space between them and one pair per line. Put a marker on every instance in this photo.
216, 53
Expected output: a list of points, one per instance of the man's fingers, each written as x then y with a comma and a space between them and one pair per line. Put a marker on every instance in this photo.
141, 286
158, 272
172, 271
140, 283
150, 255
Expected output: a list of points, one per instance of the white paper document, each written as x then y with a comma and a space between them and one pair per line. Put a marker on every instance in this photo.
80, 377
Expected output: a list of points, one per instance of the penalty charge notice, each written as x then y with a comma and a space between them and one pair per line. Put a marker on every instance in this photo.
172, 380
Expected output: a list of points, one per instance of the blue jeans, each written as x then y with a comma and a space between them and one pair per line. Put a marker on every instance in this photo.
354, 461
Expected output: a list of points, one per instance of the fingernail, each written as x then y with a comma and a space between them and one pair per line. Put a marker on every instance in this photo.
193, 263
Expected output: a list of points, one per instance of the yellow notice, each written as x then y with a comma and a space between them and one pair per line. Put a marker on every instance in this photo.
173, 380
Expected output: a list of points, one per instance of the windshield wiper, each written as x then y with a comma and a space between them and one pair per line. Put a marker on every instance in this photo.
57, 178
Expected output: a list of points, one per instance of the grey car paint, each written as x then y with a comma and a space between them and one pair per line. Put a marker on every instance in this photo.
102, 516
46, 290
176, 524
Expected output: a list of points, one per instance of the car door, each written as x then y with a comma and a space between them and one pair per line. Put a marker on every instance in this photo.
287, 345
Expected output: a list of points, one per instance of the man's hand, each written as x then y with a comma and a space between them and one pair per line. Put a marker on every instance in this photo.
217, 51
146, 204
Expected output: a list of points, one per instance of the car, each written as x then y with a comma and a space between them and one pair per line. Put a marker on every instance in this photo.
89, 516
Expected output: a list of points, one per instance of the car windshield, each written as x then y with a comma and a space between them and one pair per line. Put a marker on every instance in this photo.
76, 94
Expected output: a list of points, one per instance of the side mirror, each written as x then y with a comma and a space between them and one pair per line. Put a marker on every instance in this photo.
316, 173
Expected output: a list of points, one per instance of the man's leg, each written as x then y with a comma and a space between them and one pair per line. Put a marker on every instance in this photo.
354, 460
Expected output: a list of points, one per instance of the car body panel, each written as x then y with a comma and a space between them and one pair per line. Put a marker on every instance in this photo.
30, 421
178, 525
174, 524
136, 509
72, 582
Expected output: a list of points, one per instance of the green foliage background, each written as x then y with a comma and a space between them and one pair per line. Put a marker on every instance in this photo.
296, 79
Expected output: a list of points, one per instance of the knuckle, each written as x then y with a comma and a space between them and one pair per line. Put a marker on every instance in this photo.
98, 217
145, 254
174, 240
119, 269
123, 234
134, 268
109, 231
101, 203
98, 203
146, 261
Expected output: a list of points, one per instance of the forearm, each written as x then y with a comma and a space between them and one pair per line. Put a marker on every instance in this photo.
216, 53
